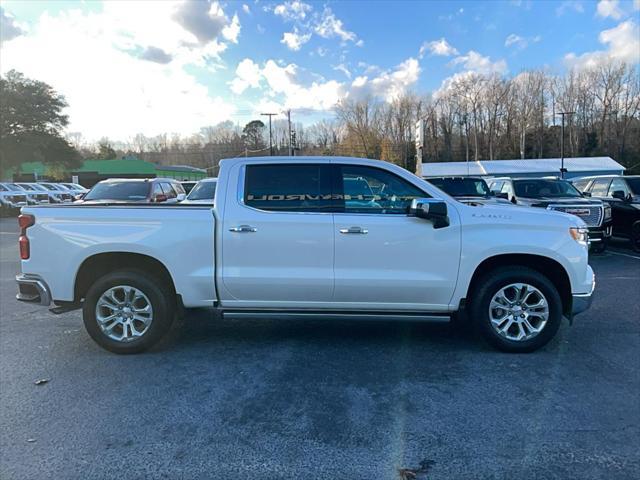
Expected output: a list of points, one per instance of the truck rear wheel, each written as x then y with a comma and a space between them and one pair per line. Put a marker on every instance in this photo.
128, 312
516, 309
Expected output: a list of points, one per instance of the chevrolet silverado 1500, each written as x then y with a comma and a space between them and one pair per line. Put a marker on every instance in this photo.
308, 237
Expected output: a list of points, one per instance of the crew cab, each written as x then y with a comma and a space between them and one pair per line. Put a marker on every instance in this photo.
284, 239
559, 195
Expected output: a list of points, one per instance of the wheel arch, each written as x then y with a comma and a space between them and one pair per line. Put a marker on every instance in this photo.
100, 264
546, 266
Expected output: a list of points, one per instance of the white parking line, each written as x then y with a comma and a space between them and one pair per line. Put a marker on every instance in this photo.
623, 254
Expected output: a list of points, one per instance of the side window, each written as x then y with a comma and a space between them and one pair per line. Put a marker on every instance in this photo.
581, 185
373, 190
2, 189
156, 190
288, 187
600, 187
168, 190
178, 188
496, 186
506, 187
618, 184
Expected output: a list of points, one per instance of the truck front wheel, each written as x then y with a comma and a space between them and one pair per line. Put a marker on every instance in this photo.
128, 312
516, 309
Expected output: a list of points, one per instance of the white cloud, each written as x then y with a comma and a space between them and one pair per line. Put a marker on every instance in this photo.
294, 40
295, 10
245, 8
389, 84
248, 74
623, 44
232, 31
519, 42
475, 62
567, 5
330, 26
636, 4
9, 27
609, 8
438, 47
343, 68
70, 51
516, 40
283, 84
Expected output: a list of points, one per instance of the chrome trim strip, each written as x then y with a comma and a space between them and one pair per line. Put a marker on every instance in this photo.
284, 315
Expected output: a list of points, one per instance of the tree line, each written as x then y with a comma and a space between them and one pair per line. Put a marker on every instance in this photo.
472, 117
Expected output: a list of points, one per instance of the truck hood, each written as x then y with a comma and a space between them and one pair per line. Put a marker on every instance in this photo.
509, 213
473, 199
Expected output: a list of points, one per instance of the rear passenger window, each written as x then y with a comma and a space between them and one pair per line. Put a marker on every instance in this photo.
288, 188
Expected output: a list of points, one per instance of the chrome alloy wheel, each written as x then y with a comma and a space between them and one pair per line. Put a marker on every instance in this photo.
124, 313
518, 312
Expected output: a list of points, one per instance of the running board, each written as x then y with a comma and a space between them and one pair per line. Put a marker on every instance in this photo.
332, 315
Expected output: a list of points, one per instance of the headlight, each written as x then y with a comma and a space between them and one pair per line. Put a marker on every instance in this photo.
580, 234
607, 212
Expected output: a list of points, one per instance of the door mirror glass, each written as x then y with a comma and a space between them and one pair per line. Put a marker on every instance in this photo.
181, 197
586, 194
430, 209
504, 195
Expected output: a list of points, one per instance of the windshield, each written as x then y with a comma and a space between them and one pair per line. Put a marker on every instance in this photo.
462, 187
634, 185
24, 186
48, 186
203, 191
539, 188
125, 191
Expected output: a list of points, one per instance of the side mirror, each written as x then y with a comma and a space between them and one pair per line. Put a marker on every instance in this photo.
504, 195
619, 194
181, 196
79, 196
586, 194
160, 197
430, 209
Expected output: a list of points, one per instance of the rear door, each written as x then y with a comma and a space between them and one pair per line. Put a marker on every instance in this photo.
384, 258
277, 236
623, 212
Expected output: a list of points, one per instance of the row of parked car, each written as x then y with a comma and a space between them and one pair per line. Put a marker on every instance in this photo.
14, 195
609, 205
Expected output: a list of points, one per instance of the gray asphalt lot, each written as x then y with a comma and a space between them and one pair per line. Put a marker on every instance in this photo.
334, 400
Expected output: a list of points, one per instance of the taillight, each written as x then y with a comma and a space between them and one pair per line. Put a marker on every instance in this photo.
25, 221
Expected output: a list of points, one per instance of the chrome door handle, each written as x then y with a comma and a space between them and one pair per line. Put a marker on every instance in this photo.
243, 229
357, 230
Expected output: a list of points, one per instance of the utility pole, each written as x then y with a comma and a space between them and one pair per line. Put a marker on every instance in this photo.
562, 169
289, 120
270, 142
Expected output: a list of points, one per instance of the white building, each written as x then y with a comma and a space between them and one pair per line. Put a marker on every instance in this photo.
530, 167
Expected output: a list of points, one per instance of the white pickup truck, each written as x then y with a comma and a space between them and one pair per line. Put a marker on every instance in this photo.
308, 237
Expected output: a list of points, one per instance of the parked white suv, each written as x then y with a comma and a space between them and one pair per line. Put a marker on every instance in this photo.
308, 237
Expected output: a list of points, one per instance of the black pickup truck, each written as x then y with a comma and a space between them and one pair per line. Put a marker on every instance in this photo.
557, 194
468, 190
622, 193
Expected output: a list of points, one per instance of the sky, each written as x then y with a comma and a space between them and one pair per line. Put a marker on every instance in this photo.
152, 67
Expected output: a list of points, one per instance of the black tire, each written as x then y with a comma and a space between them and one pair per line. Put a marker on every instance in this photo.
162, 301
635, 236
491, 284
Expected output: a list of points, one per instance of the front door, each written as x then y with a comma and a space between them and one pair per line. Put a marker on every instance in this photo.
384, 258
277, 237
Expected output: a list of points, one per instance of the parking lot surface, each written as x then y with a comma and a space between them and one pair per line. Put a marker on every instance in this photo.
331, 400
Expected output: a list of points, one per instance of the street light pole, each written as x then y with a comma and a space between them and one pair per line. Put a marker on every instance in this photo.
270, 142
562, 169
289, 120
